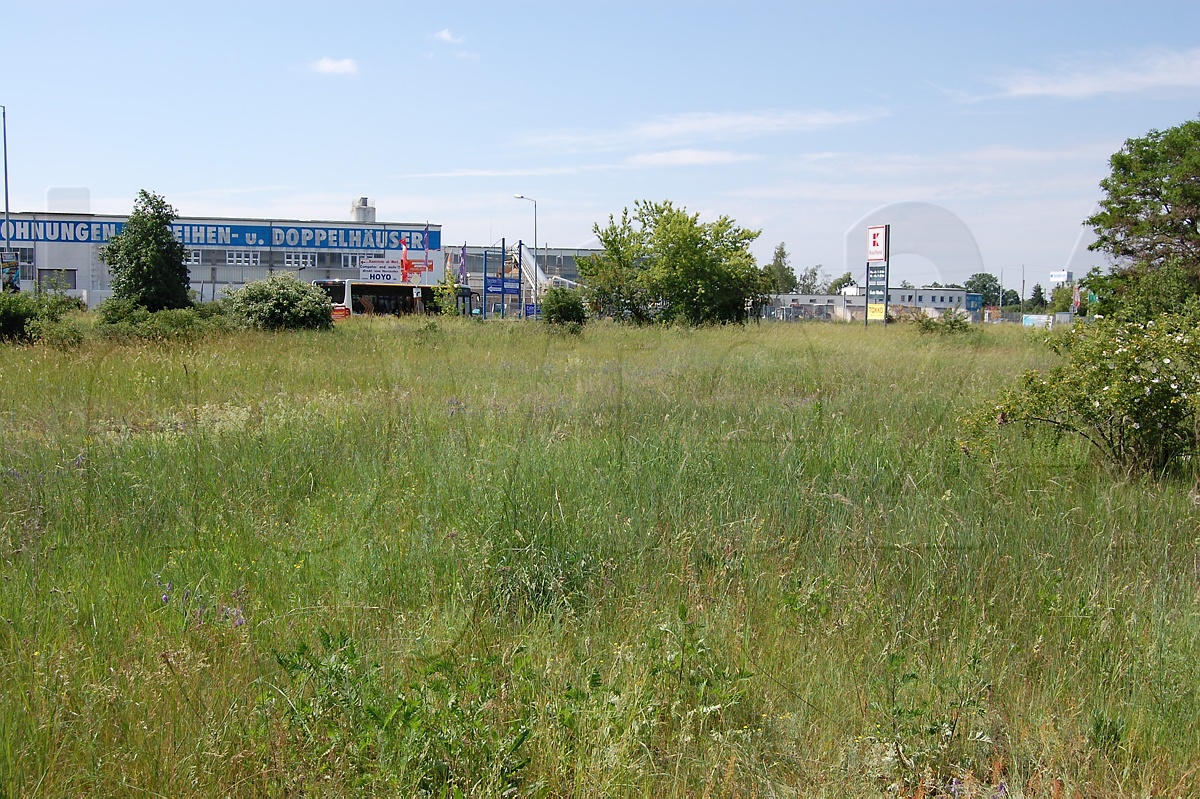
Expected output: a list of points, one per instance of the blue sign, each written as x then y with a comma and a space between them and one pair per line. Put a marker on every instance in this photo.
505, 285
532, 310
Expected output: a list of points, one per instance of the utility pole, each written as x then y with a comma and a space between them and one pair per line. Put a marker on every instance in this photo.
4, 122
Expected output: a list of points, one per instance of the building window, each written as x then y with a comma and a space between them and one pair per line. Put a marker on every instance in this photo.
193, 258
920, 298
241, 258
299, 260
352, 260
56, 279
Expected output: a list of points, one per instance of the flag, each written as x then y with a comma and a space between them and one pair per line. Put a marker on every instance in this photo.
426, 239
462, 265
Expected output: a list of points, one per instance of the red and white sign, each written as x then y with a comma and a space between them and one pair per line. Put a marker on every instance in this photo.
877, 249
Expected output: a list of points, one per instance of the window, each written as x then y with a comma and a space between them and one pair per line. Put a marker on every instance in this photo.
57, 279
241, 258
193, 258
352, 260
920, 298
299, 260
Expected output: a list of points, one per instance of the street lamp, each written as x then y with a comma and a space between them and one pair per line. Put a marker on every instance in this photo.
535, 251
4, 123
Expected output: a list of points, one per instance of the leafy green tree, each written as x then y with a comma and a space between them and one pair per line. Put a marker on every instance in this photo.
986, 284
783, 277
1011, 299
839, 283
662, 262
700, 272
811, 280
1151, 209
1149, 224
615, 278
145, 259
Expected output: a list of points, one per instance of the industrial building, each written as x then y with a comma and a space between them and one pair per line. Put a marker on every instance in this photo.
62, 250
851, 306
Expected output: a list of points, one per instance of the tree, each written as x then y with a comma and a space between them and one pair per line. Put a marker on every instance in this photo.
811, 280
145, 259
1151, 209
614, 277
839, 283
906, 284
783, 277
1149, 223
986, 284
1037, 300
663, 262
1011, 299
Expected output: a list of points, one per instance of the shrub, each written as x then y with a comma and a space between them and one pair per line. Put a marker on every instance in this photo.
1130, 388
20, 311
283, 302
123, 320
562, 306
61, 334
16, 311
951, 321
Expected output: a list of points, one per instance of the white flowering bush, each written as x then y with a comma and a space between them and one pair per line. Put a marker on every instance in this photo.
283, 302
1130, 388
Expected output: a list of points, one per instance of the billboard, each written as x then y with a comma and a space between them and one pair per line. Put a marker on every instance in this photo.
10, 272
877, 243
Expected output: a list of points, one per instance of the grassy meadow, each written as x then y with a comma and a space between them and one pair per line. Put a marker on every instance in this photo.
445, 558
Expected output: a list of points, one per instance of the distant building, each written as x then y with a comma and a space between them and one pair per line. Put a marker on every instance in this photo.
851, 307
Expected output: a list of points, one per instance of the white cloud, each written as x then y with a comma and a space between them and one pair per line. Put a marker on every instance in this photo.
688, 158
444, 35
335, 66
1158, 69
681, 128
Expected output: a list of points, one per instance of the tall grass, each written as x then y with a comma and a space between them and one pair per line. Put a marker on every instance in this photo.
412, 557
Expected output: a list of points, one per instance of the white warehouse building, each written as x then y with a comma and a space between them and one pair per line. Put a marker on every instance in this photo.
62, 250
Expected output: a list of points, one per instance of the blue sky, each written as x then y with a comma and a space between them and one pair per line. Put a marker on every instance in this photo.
798, 119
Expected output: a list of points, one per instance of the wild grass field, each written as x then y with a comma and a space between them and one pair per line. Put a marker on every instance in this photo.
444, 558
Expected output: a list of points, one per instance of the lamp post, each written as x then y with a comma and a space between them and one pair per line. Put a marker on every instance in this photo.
4, 124
535, 251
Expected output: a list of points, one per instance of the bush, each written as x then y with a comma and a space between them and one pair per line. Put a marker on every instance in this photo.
16, 311
951, 321
1130, 388
20, 311
283, 302
124, 320
562, 306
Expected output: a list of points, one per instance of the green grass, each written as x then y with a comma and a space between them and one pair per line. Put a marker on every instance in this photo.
410, 557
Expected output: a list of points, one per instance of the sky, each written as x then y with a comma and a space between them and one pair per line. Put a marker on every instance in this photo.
799, 119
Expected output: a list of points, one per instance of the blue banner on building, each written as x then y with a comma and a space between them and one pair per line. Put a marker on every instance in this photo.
213, 234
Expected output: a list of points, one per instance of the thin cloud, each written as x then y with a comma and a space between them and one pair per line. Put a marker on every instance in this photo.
335, 66
444, 35
684, 128
1158, 69
689, 158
